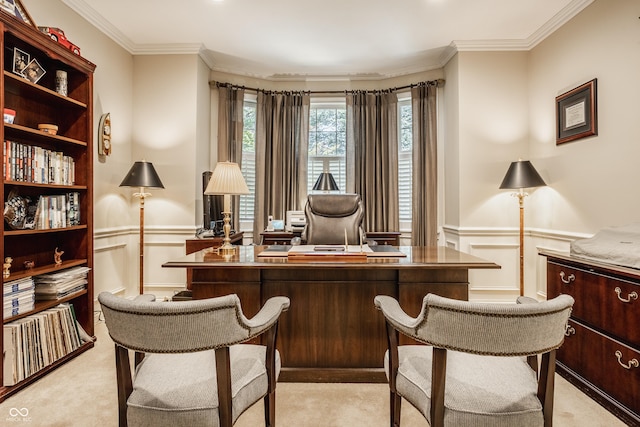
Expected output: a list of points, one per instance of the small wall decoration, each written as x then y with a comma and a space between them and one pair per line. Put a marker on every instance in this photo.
577, 113
104, 135
15, 8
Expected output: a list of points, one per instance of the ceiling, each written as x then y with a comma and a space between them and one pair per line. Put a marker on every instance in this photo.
355, 39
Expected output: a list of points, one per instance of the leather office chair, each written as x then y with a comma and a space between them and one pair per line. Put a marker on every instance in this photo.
329, 215
457, 380
190, 369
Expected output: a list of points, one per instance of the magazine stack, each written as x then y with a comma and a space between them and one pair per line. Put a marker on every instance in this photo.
36, 341
60, 284
18, 297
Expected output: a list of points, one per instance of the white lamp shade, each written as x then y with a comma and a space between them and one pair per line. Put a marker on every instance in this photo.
227, 179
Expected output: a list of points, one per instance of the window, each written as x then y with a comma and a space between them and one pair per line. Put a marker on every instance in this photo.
247, 201
405, 162
327, 143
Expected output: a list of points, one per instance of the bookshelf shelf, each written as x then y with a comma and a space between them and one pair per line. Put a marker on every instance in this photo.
36, 103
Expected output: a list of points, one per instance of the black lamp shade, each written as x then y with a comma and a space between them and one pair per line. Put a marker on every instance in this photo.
142, 174
325, 182
522, 174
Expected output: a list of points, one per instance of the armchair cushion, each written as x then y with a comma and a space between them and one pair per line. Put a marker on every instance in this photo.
507, 398
183, 386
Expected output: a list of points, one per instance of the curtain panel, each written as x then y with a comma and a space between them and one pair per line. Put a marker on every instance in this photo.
230, 128
282, 139
425, 170
372, 147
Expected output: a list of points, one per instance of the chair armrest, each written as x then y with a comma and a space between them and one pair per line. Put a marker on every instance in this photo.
267, 315
394, 314
526, 300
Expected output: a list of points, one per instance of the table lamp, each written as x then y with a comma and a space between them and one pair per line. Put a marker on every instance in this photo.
227, 180
325, 182
521, 175
142, 175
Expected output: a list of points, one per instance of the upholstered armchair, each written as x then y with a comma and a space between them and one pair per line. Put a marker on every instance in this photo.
476, 369
190, 369
329, 215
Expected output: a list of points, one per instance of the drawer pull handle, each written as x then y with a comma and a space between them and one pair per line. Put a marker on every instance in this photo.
569, 331
632, 295
568, 280
633, 363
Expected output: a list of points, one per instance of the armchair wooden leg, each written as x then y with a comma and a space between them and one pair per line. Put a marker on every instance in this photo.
270, 409
396, 406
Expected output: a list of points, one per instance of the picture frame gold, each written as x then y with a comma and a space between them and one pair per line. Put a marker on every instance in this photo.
17, 9
577, 113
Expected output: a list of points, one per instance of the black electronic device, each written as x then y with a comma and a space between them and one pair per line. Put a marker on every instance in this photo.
212, 206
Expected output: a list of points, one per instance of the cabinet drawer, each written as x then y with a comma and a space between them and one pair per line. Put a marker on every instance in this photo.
602, 301
605, 363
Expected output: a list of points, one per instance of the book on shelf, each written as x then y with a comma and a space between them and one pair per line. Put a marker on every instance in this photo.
27, 163
34, 342
58, 211
18, 297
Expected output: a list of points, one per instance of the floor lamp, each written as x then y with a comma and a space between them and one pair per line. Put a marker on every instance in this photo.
521, 175
142, 175
227, 180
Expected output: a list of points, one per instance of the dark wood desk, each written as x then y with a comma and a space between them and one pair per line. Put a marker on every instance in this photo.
332, 331
194, 245
284, 237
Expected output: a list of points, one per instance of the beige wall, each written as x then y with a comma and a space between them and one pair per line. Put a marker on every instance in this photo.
497, 107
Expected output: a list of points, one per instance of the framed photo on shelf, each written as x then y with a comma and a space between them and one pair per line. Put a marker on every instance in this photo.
34, 71
20, 61
577, 113
15, 8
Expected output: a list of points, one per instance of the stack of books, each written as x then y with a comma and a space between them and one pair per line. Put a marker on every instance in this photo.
60, 284
36, 341
18, 297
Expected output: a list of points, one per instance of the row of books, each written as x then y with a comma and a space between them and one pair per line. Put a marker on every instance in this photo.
60, 284
18, 297
36, 341
57, 211
28, 163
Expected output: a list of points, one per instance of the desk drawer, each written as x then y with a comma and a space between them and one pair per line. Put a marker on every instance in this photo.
604, 362
602, 301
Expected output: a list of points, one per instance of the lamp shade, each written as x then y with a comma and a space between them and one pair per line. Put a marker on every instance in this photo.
226, 179
142, 174
325, 182
522, 174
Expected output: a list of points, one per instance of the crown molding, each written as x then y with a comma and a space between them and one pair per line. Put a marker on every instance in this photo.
420, 64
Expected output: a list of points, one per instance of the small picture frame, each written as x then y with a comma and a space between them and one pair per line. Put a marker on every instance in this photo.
577, 113
34, 71
15, 8
20, 61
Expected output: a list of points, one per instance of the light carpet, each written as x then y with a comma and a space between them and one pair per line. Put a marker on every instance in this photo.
83, 393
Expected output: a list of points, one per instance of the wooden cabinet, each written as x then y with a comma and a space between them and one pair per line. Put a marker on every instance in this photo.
601, 352
36, 103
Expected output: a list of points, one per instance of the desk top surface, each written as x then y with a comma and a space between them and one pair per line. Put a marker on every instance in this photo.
416, 257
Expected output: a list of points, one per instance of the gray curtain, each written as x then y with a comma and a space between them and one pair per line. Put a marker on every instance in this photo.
372, 141
230, 127
425, 172
282, 139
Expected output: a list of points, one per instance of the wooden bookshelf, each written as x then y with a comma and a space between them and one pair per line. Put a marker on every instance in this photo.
37, 103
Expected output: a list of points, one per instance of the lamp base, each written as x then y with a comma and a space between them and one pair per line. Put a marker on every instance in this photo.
226, 249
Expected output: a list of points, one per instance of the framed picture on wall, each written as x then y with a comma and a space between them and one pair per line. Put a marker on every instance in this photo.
577, 113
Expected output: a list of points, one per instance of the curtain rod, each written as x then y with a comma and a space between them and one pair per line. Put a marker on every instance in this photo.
438, 83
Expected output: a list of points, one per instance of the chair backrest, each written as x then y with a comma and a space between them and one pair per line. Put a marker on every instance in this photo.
329, 215
493, 329
175, 327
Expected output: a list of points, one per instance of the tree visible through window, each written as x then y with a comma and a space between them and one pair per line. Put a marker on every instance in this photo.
247, 201
405, 162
